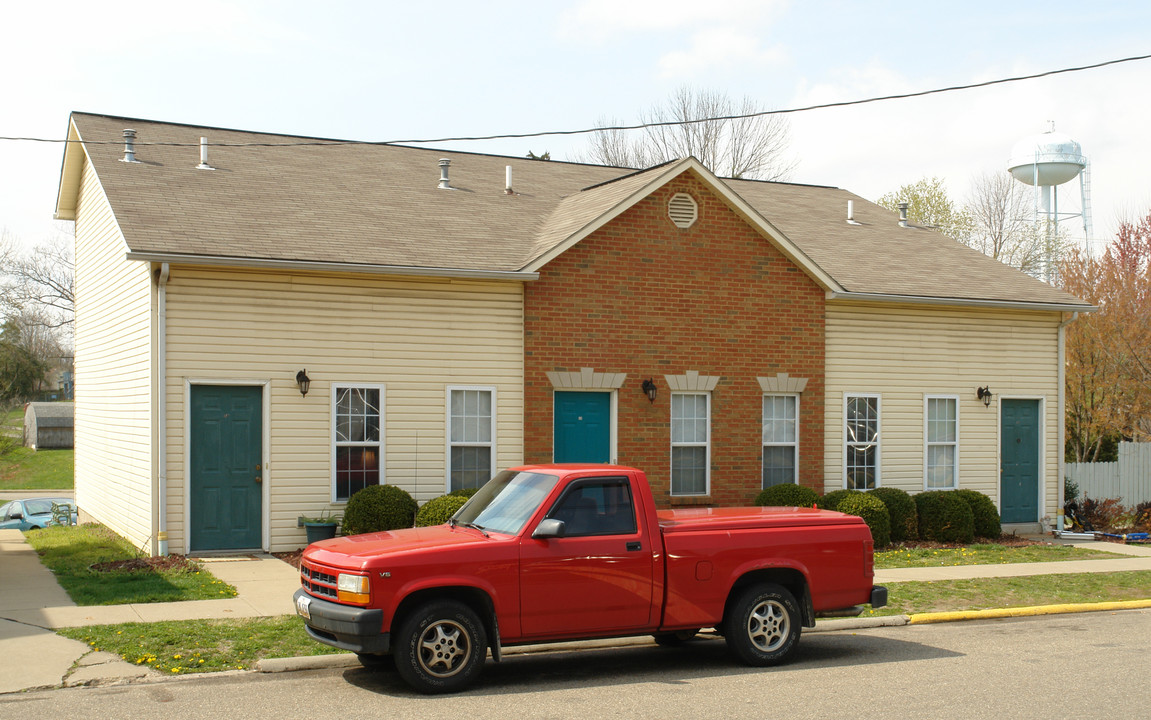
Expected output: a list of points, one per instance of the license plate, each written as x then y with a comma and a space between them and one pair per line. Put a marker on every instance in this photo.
304, 606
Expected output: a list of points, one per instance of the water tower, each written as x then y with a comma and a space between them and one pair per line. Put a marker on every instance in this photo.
1046, 161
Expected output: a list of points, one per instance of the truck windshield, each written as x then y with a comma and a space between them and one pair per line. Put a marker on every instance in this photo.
506, 502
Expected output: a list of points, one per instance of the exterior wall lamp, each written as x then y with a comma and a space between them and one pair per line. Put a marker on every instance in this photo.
303, 381
650, 390
984, 394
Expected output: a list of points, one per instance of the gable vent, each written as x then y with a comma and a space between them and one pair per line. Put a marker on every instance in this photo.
682, 210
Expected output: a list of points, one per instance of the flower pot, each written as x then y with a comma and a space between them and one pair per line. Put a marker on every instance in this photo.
319, 531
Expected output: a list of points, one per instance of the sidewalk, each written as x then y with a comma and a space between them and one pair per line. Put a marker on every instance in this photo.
32, 604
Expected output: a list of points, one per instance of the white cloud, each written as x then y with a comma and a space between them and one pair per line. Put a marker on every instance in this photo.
720, 48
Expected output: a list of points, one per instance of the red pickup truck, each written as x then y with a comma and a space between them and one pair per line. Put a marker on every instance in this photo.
548, 553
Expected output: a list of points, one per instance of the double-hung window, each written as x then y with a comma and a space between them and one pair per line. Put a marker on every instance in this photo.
780, 439
357, 443
471, 444
861, 442
690, 433
941, 443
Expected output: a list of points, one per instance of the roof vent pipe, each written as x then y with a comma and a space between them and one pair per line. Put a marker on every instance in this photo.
903, 214
508, 180
129, 146
444, 165
850, 210
204, 155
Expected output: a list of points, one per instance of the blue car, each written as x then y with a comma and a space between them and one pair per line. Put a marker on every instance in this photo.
35, 513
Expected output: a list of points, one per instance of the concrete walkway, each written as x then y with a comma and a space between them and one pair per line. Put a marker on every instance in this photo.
32, 605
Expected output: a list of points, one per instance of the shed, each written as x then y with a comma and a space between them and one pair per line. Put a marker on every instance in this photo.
48, 425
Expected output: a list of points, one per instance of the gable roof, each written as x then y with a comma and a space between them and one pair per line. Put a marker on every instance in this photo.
275, 200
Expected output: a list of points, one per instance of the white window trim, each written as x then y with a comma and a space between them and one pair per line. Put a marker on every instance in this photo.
335, 387
795, 444
927, 444
878, 433
707, 451
448, 430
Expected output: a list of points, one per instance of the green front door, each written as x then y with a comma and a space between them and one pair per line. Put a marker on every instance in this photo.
582, 427
226, 459
1019, 450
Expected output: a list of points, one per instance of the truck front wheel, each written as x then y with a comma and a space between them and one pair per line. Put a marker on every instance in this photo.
441, 647
762, 625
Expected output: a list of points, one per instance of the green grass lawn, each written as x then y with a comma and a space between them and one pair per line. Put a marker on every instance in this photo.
908, 598
991, 554
202, 645
71, 551
27, 469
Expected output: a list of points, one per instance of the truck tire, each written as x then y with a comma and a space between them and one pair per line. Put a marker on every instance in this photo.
762, 625
441, 647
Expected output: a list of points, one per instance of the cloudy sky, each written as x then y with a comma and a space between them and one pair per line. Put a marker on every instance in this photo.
403, 70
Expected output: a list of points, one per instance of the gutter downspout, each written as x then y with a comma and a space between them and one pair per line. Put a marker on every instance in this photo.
1059, 517
162, 405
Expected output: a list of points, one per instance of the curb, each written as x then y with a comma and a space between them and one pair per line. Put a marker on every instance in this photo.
1031, 611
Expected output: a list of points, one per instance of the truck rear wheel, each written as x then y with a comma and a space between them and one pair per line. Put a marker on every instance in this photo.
762, 625
441, 647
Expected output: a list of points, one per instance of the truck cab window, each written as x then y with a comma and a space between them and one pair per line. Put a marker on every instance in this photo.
596, 507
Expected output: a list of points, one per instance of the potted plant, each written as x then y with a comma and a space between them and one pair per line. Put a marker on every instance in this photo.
321, 527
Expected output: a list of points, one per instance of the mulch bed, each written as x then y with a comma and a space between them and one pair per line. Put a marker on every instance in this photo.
292, 558
174, 563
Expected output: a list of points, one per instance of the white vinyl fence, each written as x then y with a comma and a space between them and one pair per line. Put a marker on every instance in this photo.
1129, 479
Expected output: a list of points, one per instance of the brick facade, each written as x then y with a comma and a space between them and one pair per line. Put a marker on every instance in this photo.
643, 297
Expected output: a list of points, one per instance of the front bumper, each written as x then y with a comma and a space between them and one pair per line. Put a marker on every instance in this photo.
878, 596
348, 628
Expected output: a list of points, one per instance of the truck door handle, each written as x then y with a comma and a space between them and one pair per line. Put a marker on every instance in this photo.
635, 545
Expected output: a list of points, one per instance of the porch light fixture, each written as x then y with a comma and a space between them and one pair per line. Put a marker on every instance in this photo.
650, 390
984, 394
303, 381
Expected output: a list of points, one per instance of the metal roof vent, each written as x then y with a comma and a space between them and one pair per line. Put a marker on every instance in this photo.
445, 184
129, 147
683, 210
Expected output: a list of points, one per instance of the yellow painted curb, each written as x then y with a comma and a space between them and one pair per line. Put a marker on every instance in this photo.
924, 618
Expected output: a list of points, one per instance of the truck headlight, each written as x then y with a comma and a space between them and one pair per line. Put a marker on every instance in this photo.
353, 589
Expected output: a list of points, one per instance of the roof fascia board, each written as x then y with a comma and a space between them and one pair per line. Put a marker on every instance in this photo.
957, 302
312, 266
733, 199
71, 167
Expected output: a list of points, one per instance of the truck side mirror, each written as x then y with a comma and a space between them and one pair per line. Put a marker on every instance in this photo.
549, 528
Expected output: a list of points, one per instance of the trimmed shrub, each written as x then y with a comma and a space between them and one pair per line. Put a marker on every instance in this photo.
787, 495
986, 516
873, 512
944, 516
901, 508
438, 511
831, 500
378, 507
465, 493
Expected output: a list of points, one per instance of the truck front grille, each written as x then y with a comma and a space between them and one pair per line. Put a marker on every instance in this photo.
317, 580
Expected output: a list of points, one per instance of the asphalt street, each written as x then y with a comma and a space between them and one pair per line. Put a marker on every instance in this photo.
1018, 668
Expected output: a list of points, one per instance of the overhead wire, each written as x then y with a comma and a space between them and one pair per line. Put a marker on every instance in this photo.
613, 128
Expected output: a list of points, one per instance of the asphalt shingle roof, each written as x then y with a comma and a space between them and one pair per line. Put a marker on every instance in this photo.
272, 197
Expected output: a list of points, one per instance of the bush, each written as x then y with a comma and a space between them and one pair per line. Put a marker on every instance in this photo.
944, 516
831, 500
901, 508
787, 495
986, 516
465, 493
873, 512
439, 510
378, 507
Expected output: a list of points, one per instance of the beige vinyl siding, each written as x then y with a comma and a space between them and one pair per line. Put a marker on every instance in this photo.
414, 337
113, 373
904, 353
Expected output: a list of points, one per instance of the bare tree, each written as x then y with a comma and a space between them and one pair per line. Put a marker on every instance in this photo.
1003, 223
39, 283
707, 125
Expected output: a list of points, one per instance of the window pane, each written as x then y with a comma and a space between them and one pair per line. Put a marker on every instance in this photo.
941, 466
779, 419
356, 469
941, 420
861, 468
471, 467
778, 465
689, 470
